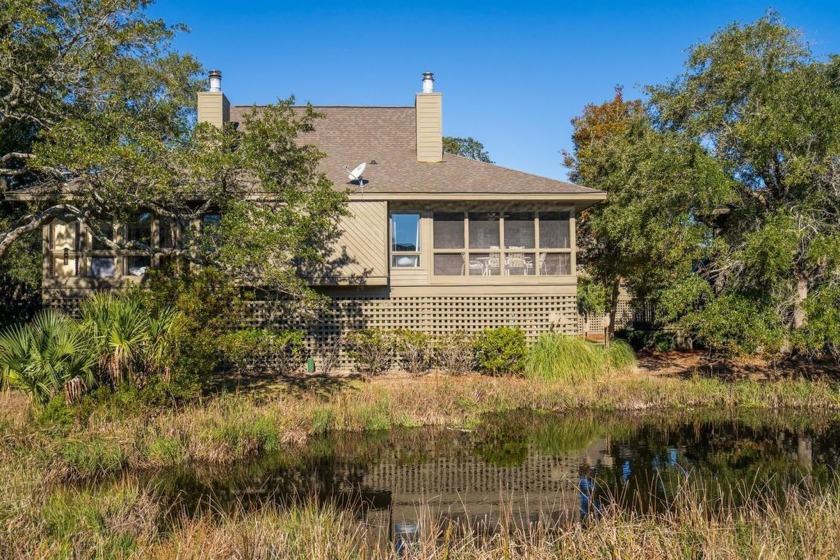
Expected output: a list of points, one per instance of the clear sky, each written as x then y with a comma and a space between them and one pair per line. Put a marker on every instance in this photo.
512, 74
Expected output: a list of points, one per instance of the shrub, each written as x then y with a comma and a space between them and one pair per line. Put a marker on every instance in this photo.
661, 341
373, 350
454, 353
329, 353
40, 357
263, 350
415, 350
501, 350
208, 306
665, 341
559, 357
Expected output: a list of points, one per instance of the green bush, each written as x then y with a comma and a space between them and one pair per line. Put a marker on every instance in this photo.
453, 353
415, 350
372, 349
560, 357
134, 341
208, 304
501, 350
661, 341
262, 350
56, 413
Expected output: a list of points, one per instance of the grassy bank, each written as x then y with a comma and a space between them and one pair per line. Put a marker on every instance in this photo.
42, 516
245, 424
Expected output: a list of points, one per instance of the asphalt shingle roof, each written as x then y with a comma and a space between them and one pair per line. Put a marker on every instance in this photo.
386, 135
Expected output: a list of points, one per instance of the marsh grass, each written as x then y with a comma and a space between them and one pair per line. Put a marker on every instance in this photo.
571, 359
127, 520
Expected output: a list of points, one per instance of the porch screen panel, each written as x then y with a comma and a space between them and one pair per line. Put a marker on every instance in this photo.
519, 230
556, 264
449, 264
484, 230
554, 230
448, 230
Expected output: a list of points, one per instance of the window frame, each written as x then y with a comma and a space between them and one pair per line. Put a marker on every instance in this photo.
393, 253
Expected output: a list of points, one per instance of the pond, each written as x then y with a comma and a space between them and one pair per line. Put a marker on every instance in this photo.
521, 469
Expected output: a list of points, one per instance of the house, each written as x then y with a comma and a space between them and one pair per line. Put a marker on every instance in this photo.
434, 242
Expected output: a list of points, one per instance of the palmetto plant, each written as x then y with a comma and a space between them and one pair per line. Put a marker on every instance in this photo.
132, 342
161, 344
41, 356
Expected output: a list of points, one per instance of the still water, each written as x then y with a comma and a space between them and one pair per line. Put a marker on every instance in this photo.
521, 468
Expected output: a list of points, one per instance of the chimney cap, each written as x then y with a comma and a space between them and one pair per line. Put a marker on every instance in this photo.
428, 82
215, 79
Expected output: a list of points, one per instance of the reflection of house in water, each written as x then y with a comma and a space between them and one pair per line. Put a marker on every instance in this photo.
465, 488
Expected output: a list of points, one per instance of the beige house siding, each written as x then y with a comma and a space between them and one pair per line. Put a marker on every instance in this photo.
361, 254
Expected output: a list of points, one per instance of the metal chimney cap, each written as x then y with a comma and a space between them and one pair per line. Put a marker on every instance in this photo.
428, 82
215, 79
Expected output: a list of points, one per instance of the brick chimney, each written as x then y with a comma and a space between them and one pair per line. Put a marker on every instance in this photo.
428, 107
213, 106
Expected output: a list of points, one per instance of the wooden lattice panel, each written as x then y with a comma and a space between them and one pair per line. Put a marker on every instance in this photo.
435, 315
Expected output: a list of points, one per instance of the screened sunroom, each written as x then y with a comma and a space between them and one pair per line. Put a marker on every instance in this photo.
482, 243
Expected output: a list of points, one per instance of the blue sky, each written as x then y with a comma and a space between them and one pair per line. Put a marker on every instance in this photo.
512, 74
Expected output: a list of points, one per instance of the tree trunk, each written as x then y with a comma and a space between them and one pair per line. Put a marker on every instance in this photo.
613, 309
799, 318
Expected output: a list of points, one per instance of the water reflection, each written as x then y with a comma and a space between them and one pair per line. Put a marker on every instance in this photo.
520, 470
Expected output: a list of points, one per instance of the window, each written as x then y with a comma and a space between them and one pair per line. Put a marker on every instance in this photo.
211, 220
501, 244
106, 229
137, 265
166, 234
405, 240
102, 267
139, 230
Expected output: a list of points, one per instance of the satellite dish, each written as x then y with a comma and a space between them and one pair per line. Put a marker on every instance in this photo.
356, 174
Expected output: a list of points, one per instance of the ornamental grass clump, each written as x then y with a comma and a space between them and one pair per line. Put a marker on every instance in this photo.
564, 358
567, 358
620, 356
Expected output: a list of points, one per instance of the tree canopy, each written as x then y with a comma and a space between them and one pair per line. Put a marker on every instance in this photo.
97, 123
466, 147
725, 201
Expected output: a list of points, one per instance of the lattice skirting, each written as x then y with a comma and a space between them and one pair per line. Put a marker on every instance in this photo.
435, 315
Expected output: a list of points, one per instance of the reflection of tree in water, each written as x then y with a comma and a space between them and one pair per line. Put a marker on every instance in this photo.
729, 462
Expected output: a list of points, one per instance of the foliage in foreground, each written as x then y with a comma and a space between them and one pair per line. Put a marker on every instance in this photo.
127, 518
